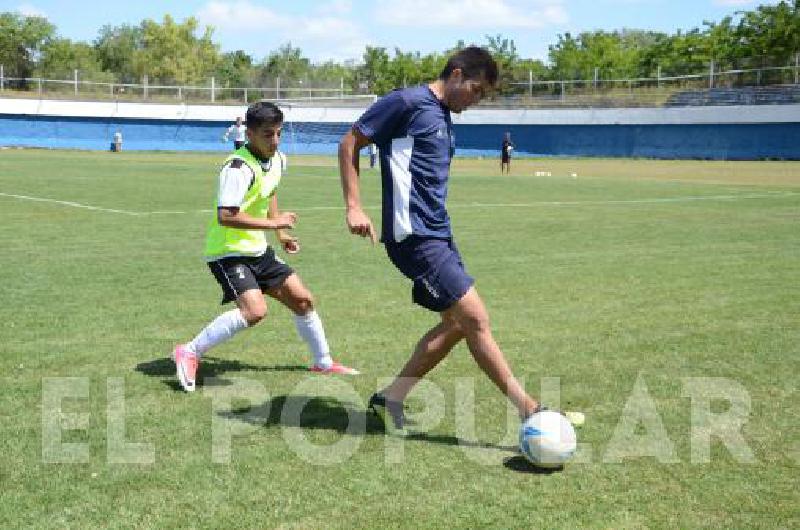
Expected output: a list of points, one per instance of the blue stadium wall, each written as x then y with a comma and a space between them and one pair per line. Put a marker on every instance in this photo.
535, 133
693, 141
153, 134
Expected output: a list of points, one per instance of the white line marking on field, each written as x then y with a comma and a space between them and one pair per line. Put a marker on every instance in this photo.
69, 203
627, 201
175, 212
656, 200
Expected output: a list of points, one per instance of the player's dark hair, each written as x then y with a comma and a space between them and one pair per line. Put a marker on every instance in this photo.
263, 112
473, 62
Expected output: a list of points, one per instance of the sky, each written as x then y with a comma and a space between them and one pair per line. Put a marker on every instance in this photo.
339, 30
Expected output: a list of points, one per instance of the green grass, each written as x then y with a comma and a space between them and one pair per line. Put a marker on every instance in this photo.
636, 269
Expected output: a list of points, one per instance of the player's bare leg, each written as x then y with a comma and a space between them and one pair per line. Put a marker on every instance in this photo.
429, 352
473, 320
295, 296
253, 306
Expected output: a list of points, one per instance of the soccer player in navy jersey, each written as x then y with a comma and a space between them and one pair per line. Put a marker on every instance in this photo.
414, 134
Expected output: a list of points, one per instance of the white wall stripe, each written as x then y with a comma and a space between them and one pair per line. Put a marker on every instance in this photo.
478, 115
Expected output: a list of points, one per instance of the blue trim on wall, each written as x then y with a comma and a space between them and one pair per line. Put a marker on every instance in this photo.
747, 141
699, 141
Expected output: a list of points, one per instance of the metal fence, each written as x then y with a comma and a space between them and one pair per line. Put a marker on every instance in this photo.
594, 92
638, 92
77, 88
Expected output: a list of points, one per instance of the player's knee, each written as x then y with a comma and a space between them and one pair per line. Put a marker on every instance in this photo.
303, 304
451, 323
474, 322
254, 315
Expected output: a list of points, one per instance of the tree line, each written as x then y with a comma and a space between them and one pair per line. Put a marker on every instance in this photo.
170, 52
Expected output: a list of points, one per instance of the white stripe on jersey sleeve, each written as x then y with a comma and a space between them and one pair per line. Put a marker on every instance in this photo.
399, 162
233, 185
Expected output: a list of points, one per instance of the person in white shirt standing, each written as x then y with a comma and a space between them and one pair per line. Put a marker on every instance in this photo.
239, 132
116, 144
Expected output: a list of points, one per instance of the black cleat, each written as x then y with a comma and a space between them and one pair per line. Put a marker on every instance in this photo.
390, 413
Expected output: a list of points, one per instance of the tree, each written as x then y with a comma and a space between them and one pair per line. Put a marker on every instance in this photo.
375, 71
331, 74
403, 68
772, 31
234, 69
687, 53
60, 57
723, 42
651, 59
505, 54
170, 52
173, 52
21, 41
287, 62
615, 55
565, 57
431, 65
116, 47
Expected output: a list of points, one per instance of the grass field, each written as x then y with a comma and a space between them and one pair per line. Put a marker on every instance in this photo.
634, 273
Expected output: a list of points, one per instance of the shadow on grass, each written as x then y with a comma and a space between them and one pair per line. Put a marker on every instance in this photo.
211, 367
312, 412
521, 465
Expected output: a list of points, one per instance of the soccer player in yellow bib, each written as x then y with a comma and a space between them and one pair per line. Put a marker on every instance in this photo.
241, 259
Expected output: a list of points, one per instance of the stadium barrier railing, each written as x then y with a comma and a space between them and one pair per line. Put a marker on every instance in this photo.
568, 93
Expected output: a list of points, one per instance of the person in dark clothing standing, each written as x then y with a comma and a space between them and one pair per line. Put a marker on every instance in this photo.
505, 153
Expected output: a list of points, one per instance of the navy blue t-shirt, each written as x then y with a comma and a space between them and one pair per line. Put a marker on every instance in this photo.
414, 135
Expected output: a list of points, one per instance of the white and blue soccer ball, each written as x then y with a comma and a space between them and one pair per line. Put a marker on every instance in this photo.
547, 439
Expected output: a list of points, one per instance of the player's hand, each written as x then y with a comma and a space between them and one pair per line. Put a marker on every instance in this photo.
360, 224
285, 220
289, 243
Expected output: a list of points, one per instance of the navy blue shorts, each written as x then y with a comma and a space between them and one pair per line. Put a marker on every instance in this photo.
435, 266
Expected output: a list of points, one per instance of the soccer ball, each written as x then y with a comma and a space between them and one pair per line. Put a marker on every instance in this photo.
547, 439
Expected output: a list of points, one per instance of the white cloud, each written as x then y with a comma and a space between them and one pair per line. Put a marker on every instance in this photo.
329, 38
241, 16
472, 13
337, 7
29, 10
322, 36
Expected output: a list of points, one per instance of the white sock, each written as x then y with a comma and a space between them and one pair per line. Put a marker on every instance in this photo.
310, 329
218, 331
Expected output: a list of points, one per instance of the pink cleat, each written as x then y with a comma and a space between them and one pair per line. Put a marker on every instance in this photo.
186, 366
335, 368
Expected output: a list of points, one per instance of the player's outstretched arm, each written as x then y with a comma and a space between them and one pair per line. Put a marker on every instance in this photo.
236, 218
358, 222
